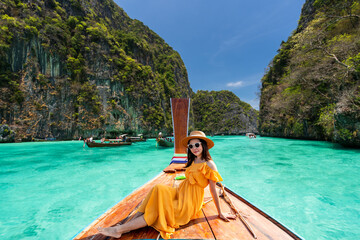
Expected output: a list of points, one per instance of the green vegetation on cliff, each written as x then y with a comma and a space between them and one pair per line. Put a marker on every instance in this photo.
312, 86
222, 112
72, 67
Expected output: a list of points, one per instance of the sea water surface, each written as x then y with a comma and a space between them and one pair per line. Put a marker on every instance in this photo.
52, 190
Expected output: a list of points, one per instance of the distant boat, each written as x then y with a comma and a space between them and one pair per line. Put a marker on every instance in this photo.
166, 142
108, 143
139, 138
44, 139
39, 139
251, 135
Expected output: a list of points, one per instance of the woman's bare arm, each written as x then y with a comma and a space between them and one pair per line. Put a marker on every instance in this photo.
215, 196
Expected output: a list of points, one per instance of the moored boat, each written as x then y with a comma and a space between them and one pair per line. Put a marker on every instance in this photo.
139, 138
251, 135
251, 222
165, 142
108, 143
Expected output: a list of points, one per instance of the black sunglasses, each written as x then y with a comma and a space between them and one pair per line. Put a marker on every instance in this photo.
190, 146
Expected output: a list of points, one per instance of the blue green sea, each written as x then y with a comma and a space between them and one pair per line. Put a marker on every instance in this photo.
52, 190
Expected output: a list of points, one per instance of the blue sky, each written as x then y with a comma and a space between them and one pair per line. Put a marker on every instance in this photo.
225, 45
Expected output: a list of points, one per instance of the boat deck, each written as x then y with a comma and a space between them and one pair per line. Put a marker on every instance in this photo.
206, 226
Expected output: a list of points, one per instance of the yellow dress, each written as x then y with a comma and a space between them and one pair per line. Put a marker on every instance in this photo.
166, 208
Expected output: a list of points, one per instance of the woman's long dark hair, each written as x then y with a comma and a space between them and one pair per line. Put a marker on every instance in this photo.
204, 155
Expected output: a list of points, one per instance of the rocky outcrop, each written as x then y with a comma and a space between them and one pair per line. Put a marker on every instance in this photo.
311, 89
81, 68
347, 124
222, 112
307, 15
6, 134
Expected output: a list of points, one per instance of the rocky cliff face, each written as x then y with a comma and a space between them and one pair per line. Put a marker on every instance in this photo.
312, 87
307, 15
80, 68
222, 112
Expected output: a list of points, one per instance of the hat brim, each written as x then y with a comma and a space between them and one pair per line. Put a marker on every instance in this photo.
209, 142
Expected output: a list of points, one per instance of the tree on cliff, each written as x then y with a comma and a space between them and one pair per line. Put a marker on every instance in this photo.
312, 88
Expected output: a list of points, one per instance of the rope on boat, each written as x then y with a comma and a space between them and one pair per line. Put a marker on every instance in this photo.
228, 200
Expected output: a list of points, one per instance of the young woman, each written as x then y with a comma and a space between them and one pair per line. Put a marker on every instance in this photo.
166, 208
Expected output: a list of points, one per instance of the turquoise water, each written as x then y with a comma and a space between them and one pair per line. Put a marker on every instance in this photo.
52, 190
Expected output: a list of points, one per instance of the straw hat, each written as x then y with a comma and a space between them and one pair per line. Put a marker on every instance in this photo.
198, 135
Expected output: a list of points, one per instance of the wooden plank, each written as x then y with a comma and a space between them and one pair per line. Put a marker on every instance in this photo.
175, 167
180, 116
196, 229
261, 220
235, 229
223, 230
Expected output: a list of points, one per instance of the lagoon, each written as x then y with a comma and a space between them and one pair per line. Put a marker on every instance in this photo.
52, 190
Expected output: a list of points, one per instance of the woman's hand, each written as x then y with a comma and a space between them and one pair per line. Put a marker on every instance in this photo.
227, 216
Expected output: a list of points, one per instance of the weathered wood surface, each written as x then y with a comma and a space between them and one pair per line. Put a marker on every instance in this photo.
180, 116
263, 225
175, 167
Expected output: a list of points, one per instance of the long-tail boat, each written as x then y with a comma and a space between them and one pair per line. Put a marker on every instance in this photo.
251, 222
108, 143
139, 138
165, 142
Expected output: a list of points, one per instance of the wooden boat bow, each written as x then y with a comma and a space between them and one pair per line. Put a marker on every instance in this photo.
206, 226
252, 223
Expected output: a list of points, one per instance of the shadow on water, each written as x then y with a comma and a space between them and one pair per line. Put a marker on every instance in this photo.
6, 185
313, 144
283, 164
31, 231
324, 145
46, 168
4, 173
326, 200
344, 148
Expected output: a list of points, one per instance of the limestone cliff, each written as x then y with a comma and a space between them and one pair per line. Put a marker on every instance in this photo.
222, 112
71, 68
311, 89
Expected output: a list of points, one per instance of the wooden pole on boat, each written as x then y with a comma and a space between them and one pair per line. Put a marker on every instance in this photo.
228, 200
180, 108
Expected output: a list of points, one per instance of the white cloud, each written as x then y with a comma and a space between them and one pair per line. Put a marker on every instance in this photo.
245, 81
235, 84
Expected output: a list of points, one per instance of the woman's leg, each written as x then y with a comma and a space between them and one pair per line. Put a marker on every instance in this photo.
136, 215
117, 231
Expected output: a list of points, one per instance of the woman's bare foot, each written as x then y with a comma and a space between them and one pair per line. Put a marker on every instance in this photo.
110, 232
